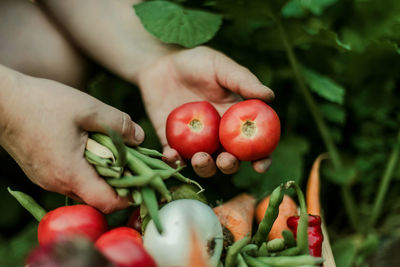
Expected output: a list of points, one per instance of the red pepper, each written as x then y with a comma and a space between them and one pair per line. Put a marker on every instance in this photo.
315, 236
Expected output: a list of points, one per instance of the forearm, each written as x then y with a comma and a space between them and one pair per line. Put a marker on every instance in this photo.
110, 32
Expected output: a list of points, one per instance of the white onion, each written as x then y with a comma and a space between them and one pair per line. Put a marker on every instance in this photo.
178, 218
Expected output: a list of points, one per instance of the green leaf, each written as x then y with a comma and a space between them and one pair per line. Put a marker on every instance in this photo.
341, 176
333, 113
301, 8
287, 164
174, 24
324, 86
345, 252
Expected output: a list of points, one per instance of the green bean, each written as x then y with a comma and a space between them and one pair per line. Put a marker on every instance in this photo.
129, 181
158, 184
263, 251
250, 249
28, 203
122, 192
302, 229
291, 261
105, 141
116, 139
269, 217
150, 201
159, 164
137, 197
96, 160
149, 152
275, 244
288, 236
254, 262
233, 251
138, 166
240, 261
112, 172
167, 173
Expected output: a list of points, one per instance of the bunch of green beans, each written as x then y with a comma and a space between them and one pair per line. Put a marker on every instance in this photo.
256, 251
134, 172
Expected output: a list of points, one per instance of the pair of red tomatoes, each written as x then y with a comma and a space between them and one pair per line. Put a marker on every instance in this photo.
249, 130
121, 245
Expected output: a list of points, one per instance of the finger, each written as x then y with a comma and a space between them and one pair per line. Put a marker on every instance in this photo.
203, 164
94, 191
100, 116
240, 80
171, 156
262, 165
74, 197
227, 163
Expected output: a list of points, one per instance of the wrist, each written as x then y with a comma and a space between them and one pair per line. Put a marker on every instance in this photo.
8, 88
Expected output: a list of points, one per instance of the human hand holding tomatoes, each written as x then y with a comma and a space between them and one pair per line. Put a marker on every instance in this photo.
199, 74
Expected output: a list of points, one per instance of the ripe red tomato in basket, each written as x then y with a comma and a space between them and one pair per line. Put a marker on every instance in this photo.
193, 127
123, 246
250, 130
66, 221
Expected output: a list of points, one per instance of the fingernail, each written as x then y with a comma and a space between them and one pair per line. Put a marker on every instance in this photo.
266, 164
271, 94
139, 133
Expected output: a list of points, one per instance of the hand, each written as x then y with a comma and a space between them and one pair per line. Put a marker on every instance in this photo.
46, 132
194, 75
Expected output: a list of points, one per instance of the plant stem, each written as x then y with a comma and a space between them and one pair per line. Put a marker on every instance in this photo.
350, 207
315, 112
385, 181
322, 128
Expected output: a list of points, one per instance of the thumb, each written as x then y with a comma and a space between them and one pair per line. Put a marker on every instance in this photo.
101, 116
240, 80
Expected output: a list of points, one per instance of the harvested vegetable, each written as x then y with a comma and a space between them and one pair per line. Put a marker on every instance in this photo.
179, 218
133, 172
237, 215
314, 231
70, 252
64, 222
193, 127
269, 217
287, 209
313, 188
123, 247
197, 255
250, 130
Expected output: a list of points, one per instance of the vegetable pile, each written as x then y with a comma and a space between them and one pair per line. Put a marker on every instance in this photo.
186, 231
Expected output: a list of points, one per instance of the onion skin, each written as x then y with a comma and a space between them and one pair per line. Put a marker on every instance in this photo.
179, 217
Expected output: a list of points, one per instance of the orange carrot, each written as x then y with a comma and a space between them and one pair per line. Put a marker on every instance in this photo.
237, 215
312, 193
287, 209
197, 256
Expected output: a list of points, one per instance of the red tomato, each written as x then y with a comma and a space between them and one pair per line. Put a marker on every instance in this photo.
71, 220
250, 130
135, 221
123, 246
193, 127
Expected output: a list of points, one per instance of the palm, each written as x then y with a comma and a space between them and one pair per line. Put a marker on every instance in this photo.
169, 85
199, 74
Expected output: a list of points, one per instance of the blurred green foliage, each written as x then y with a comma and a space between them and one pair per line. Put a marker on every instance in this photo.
349, 59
